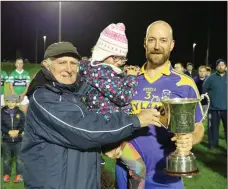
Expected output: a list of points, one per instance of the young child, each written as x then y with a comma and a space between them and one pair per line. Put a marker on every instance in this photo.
112, 90
12, 128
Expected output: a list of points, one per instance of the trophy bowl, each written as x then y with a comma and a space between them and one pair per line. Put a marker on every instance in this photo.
181, 113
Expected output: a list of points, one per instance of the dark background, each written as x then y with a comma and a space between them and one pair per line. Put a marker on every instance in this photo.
82, 23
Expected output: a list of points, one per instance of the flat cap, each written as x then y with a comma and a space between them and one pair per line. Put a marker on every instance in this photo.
61, 49
12, 97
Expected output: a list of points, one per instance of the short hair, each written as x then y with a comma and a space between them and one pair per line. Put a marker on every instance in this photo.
18, 59
189, 63
179, 63
203, 67
208, 68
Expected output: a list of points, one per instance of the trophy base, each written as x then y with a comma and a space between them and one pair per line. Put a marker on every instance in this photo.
181, 174
181, 165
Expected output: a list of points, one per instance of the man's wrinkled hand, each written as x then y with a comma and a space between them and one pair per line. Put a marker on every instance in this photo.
149, 117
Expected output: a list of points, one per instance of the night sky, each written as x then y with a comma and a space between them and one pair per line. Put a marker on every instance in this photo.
82, 23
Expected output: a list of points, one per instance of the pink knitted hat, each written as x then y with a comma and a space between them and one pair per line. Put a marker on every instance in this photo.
112, 42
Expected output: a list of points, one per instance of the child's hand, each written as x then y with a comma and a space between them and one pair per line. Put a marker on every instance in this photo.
132, 70
13, 133
16, 132
114, 153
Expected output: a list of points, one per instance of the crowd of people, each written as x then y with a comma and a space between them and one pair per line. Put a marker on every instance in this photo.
216, 86
78, 108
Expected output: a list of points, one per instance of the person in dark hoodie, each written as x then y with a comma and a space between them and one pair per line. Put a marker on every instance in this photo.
189, 70
12, 127
199, 80
63, 139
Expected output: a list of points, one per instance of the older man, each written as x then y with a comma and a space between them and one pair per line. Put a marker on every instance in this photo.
62, 138
156, 80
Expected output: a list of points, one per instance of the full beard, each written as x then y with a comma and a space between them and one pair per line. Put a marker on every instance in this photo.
157, 59
222, 71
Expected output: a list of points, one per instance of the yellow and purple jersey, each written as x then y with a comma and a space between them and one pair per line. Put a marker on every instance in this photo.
154, 143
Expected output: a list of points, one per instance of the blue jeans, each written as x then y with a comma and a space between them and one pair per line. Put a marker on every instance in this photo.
122, 181
8, 148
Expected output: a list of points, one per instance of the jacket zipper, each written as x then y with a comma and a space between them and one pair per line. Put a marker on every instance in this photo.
12, 126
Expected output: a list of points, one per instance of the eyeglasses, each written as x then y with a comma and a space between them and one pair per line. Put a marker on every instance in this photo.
119, 58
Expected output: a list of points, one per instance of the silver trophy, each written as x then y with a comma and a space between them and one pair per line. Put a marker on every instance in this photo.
181, 115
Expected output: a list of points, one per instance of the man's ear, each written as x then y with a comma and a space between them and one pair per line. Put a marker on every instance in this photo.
144, 44
172, 45
46, 64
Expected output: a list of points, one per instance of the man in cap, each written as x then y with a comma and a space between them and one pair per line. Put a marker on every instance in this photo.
12, 127
62, 139
216, 87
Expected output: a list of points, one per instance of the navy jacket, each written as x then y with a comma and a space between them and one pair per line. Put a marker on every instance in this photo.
192, 75
216, 87
62, 140
199, 84
16, 122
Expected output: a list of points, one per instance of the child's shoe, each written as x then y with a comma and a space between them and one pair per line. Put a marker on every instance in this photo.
6, 178
18, 179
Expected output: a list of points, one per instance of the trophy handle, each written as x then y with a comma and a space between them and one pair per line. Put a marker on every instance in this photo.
166, 109
208, 106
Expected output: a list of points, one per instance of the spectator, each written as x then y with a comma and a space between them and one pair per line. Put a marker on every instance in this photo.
216, 87
4, 79
12, 128
199, 80
190, 72
178, 67
19, 83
